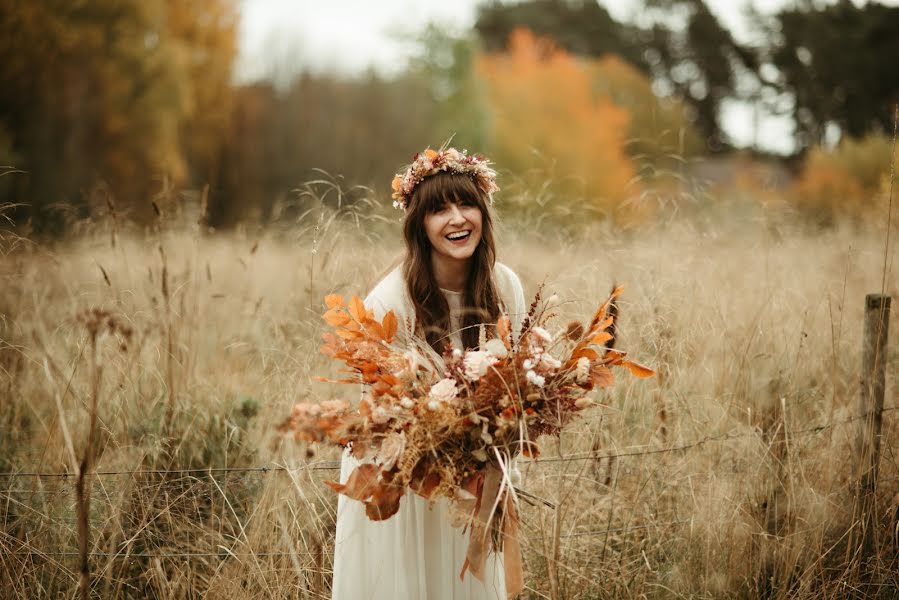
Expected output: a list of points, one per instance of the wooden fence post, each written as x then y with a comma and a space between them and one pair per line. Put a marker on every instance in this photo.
870, 409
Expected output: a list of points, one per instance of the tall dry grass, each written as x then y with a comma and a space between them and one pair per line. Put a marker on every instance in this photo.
728, 475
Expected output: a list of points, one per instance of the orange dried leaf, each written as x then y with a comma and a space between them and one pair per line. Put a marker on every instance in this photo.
374, 329
336, 318
602, 376
585, 352
389, 325
357, 309
385, 502
601, 311
359, 449
360, 484
605, 324
424, 479
637, 369
349, 335
504, 330
333, 301
601, 338
613, 357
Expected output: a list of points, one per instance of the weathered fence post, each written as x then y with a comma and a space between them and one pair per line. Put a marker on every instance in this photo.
870, 409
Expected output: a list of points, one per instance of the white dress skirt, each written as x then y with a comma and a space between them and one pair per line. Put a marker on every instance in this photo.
414, 555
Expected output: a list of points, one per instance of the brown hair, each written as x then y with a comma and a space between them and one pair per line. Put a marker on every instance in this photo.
480, 300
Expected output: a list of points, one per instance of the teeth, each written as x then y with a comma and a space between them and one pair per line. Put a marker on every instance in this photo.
458, 235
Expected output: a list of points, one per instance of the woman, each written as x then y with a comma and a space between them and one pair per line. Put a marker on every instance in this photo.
447, 286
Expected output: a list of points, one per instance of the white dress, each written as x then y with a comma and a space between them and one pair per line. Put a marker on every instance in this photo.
416, 553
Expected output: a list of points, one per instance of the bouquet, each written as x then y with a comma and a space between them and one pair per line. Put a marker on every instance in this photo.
448, 426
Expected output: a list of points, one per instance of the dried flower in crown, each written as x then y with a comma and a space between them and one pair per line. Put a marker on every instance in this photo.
430, 162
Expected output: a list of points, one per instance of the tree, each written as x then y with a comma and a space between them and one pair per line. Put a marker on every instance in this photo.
698, 59
102, 91
446, 63
581, 28
660, 134
678, 43
206, 37
833, 61
543, 102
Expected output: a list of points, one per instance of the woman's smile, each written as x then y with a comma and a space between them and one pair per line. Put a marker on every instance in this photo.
459, 237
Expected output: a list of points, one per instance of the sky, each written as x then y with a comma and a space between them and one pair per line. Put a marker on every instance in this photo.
278, 38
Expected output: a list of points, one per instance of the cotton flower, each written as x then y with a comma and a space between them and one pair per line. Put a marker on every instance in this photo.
485, 435
433, 405
542, 334
457, 353
443, 391
550, 362
477, 363
528, 364
407, 402
582, 370
496, 347
537, 380
380, 415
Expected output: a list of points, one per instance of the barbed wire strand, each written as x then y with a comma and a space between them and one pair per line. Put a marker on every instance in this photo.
334, 465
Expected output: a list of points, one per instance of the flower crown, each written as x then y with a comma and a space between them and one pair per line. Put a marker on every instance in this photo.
430, 162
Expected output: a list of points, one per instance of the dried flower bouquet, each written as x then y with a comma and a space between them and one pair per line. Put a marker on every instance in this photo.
449, 426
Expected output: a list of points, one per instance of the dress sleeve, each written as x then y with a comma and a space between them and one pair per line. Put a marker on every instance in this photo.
390, 294
512, 293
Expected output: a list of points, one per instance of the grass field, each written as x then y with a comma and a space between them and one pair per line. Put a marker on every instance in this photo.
728, 475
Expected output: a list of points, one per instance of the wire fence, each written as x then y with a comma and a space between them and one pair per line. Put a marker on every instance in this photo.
201, 474
630, 451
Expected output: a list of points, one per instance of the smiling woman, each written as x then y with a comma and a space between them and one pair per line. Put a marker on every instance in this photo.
450, 246
448, 289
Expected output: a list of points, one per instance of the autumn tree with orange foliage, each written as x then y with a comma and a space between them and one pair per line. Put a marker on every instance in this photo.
547, 119
117, 94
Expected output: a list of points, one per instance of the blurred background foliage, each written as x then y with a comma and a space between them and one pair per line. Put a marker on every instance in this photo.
115, 104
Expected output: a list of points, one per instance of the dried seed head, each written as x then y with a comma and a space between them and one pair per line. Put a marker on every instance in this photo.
574, 331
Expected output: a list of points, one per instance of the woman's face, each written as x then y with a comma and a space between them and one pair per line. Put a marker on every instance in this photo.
454, 230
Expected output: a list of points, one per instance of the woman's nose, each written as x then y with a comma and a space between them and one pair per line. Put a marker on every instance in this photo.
456, 215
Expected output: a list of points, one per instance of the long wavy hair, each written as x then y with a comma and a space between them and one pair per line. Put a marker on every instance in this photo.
480, 299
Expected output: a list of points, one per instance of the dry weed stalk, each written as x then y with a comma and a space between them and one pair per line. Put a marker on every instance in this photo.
96, 322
